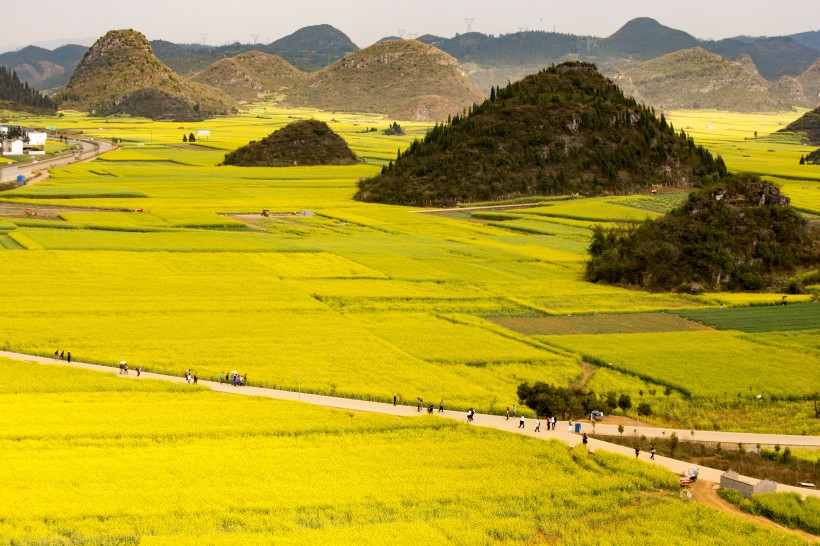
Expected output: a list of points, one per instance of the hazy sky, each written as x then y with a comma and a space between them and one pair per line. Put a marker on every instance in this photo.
365, 21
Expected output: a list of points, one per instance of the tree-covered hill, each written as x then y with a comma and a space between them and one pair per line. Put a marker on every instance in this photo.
738, 233
565, 129
304, 142
17, 95
808, 123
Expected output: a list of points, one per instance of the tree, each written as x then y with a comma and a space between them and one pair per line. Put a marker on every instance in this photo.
191, 138
624, 402
184, 137
644, 409
621, 430
673, 444
802, 160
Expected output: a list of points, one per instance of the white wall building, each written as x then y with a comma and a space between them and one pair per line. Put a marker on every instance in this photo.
13, 147
36, 138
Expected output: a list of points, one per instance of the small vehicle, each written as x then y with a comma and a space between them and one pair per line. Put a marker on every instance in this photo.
596, 415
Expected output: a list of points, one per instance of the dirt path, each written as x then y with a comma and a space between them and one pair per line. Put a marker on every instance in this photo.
705, 492
482, 420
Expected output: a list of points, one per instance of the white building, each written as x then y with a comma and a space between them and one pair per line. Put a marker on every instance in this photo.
36, 138
12, 147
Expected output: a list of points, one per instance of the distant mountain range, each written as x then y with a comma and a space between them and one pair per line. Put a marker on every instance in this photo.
787, 65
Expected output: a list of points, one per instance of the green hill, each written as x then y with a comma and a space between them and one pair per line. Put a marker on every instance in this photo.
565, 129
808, 123
404, 79
120, 74
249, 75
312, 48
304, 142
737, 234
645, 38
694, 78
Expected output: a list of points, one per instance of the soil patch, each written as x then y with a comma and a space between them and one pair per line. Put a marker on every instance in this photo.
599, 324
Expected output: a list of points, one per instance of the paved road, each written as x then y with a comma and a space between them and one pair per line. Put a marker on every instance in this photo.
491, 421
91, 149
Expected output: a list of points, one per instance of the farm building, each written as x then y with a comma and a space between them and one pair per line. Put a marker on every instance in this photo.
12, 147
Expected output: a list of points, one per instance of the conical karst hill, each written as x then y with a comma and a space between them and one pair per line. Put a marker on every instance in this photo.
251, 75
304, 142
695, 79
120, 74
404, 79
565, 129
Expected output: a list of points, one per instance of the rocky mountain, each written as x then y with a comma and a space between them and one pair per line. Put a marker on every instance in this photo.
565, 129
41, 68
808, 123
695, 78
251, 75
405, 79
304, 142
810, 80
737, 233
774, 57
120, 74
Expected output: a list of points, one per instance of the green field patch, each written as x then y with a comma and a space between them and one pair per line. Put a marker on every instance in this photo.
598, 324
704, 364
772, 318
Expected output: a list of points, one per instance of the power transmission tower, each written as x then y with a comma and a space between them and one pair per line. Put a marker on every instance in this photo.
469, 21
401, 33
412, 35
255, 38
204, 38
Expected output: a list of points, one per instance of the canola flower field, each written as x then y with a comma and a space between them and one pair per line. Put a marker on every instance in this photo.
357, 299
102, 459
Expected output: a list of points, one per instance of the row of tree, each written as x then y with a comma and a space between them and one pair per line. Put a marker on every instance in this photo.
20, 93
573, 402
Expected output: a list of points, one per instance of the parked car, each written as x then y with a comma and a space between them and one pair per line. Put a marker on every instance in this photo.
596, 415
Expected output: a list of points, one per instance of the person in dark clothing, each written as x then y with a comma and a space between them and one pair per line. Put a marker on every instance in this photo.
394, 398
637, 452
441, 406
584, 438
68, 357
62, 355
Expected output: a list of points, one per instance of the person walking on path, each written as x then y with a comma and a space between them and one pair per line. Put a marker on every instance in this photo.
538, 425
62, 355
395, 395
441, 406
584, 438
637, 452
470, 414
652, 454
188, 376
418, 403
521, 422
57, 354
508, 413
569, 428
68, 357
139, 370
195, 378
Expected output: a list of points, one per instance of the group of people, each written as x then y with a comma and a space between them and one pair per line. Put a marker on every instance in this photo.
420, 403
191, 378
61, 355
233, 378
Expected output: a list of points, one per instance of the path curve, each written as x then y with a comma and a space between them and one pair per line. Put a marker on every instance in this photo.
482, 420
91, 149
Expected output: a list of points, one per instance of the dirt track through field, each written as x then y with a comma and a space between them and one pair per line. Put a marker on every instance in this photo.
498, 422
